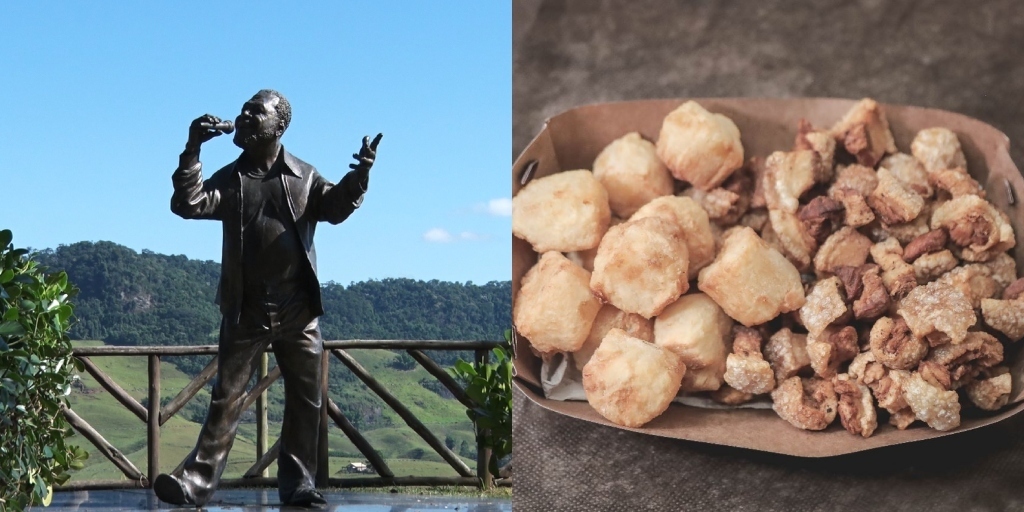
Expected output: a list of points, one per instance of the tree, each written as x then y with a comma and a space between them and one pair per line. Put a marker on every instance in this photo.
403, 361
36, 370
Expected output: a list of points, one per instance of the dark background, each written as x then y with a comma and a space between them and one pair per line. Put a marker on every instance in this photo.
958, 56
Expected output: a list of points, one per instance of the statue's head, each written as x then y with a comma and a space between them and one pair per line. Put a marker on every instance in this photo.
263, 119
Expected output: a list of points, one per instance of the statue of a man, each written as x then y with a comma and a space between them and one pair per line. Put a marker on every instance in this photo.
269, 203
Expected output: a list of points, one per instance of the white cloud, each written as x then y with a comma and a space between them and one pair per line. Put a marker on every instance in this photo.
443, 236
437, 235
501, 207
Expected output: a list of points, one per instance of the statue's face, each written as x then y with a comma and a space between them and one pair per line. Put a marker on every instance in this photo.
258, 123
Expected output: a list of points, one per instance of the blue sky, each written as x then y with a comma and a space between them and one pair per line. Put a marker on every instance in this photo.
98, 99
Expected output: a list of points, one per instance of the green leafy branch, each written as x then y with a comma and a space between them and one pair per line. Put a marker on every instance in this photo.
489, 386
36, 371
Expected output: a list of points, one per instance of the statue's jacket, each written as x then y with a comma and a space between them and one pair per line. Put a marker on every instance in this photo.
311, 199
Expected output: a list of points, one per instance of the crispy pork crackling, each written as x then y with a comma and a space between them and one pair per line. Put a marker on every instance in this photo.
836, 277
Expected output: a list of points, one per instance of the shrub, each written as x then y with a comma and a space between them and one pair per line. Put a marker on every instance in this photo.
36, 370
489, 386
403, 361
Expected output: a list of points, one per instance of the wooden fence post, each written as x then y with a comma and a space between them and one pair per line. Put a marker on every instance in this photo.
323, 471
153, 437
261, 415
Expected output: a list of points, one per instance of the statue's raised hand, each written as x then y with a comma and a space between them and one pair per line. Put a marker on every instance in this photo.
366, 156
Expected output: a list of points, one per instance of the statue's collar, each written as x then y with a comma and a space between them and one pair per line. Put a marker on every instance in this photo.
291, 164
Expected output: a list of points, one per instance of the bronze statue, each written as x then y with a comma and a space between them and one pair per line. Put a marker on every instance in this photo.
269, 203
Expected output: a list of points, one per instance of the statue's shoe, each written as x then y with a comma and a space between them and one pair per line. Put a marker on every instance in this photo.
307, 498
170, 490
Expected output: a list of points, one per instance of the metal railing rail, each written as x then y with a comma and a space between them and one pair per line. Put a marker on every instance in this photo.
154, 416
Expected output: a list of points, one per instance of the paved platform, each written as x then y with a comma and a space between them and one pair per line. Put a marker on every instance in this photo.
235, 500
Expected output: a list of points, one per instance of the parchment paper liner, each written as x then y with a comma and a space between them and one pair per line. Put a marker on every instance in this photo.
573, 139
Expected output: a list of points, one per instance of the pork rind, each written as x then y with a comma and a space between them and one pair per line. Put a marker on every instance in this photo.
1014, 290
933, 265
895, 346
820, 141
632, 174
902, 418
752, 282
889, 391
937, 310
824, 305
726, 204
893, 201
859, 178
1005, 316
755, 219
786, 352
938, 149
976, 226
909, 171
822, 216
788, 175
609, 317
641, 266
685, 213
810, 404
856, 212
729, 396
1004, 269
629, 381
874, 299
795, 243
696, 329
709, 378
956, 183
856, 406
932, 241
866, 370
935, 374
831, 348
717, 202
846, 247
566, 211
585, 258
864, 132
907, 232
964, 361
699, 147
745, 369
864, 287
554, 308
974, 281
897, 275
992, 393
937, 407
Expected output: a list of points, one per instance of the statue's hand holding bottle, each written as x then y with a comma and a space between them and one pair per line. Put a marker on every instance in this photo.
204, 128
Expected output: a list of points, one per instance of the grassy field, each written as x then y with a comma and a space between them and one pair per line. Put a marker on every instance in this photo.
405, 452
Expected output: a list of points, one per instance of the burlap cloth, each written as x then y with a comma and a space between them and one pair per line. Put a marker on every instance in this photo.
966, 57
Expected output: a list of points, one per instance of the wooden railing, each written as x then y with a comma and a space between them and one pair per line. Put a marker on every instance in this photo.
154, 416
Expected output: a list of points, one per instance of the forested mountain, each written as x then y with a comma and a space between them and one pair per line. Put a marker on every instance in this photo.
130, 298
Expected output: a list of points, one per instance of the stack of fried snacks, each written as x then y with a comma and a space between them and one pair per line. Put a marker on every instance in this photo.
840, 277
